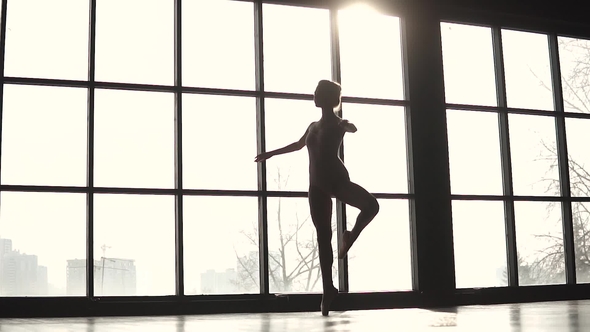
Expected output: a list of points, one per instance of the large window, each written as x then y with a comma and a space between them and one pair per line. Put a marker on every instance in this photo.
128, 131
514, 167
128, 139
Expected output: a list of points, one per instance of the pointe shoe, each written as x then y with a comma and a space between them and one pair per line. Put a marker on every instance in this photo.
327, 300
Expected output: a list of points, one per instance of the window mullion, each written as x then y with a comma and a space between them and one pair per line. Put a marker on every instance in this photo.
507, 184
178, 197
340, 206
90, 155
261, 147
428, 158
3, 9
564, 179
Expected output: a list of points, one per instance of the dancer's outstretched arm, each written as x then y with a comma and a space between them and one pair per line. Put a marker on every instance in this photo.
286, 149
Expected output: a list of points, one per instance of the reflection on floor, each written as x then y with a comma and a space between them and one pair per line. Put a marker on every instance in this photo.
538, 317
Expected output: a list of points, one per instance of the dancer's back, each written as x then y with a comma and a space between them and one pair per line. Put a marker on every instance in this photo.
323, 141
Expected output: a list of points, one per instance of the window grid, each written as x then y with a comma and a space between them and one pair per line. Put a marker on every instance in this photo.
508, 197
179, 192
485, 20
178, 89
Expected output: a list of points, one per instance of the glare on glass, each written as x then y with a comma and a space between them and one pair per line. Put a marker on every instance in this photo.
135, 41
219, 142
468, 61
574, 62
221, 245
293, 254
528, 74
474, 153
286, 122
380, 259
578, 134
42, 244
539, 241
134, 139
134, 245
370, 53
44, 136
479, 238
533, 152
218, 44
581, 224
375, 155
296, 55
47, 39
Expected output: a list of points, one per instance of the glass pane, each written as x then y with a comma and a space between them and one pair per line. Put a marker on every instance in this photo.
528, 75
294, 264
219, 142
539, 241
224, 258
286, 122
47, 39
42, 233
135, 41
479, 224
206, 61
370, 52
574, 59
581, 223
578, 134
296, 55
532, 146
474, 149
44, 136
134, 139
382, 128
383, 246
468, 60
134, 245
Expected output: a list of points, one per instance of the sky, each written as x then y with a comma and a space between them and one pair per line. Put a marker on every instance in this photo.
134, 136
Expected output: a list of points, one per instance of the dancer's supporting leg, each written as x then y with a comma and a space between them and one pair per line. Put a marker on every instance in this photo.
320, 204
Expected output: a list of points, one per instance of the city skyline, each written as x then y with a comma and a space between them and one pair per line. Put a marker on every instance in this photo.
20, 273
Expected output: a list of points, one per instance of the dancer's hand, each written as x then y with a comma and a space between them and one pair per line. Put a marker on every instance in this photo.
262, 157
348, 126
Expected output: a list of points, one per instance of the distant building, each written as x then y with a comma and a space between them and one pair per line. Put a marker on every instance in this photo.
213, 282
112, 276
21, 275
76, 277
5, 248
42, 281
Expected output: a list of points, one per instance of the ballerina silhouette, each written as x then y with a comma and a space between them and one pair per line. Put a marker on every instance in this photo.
329, 178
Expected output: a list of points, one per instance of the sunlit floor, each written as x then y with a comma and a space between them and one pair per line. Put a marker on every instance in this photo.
548, 316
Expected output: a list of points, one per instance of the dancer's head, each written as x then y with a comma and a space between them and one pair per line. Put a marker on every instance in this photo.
327, 94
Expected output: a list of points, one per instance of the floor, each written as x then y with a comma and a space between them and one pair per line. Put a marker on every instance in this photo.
537, 317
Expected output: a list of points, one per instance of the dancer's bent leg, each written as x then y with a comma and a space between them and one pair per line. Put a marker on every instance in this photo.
352, 194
